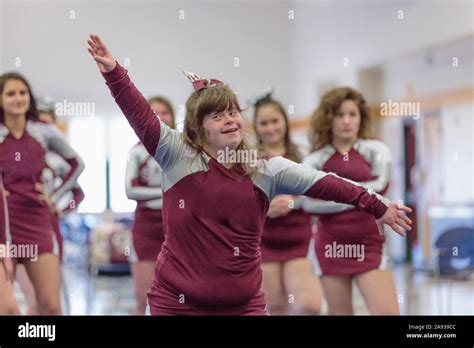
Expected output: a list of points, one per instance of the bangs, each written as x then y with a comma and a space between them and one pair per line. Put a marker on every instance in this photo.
216, 99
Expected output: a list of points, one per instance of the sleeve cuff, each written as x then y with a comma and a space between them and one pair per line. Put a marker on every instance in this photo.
114, 74
380, 210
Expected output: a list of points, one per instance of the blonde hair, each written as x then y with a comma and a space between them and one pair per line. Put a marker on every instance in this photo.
216, 98
321, 119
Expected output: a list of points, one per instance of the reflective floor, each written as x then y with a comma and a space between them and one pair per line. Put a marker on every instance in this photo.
419, 294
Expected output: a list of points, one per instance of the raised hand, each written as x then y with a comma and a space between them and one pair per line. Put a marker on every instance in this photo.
395, 218
104, 59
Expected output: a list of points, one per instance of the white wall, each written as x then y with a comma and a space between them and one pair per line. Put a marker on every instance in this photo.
293, 55
52, 46
429, 72
368, 33
49, 38
457, 124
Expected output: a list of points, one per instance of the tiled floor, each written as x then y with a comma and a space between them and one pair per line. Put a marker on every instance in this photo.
422, 294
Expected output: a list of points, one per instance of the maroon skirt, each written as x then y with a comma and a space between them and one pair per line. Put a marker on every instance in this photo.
148, 234
30, 225
286, 238
349, 243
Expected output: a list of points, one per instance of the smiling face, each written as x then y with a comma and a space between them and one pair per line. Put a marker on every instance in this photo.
270, 125
223, 129
346, 122
214, 121
15, 98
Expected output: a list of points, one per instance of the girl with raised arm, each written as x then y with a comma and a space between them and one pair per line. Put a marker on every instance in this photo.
214, 211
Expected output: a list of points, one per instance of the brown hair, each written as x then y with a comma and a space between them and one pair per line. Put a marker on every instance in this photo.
216, 98
49, 111
321, 119
31, 113
291, 149
165, 101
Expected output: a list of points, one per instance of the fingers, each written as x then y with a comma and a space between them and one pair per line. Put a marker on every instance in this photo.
39, 187
272, 214
93, 46
278, 210
403, 224
97, 50
404, 208
397, 229
94, 39
405, 218
99, 41
91, 52
97, 58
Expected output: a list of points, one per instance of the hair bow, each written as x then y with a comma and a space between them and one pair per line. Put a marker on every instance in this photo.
266, 96
200, 83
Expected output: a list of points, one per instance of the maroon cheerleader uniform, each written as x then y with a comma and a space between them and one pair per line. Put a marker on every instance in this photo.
286, 238
25, 219
52, 177
143, 184
348, 241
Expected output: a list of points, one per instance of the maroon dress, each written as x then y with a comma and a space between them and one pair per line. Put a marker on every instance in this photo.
25, 219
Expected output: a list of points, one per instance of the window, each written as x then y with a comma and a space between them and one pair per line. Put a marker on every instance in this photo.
87, 136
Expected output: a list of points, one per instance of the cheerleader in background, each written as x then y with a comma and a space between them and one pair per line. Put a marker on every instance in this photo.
288, 281
341, 141
26, 216
53, 175
143, 184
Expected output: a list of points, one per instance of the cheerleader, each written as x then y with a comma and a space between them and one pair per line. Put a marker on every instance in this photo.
143, 184
26, 218
214, 210
288, 281
52, 176
348, 244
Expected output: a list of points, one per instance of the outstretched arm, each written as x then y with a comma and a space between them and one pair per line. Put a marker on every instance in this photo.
318, 206
291, 178
161, 142
380, 163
